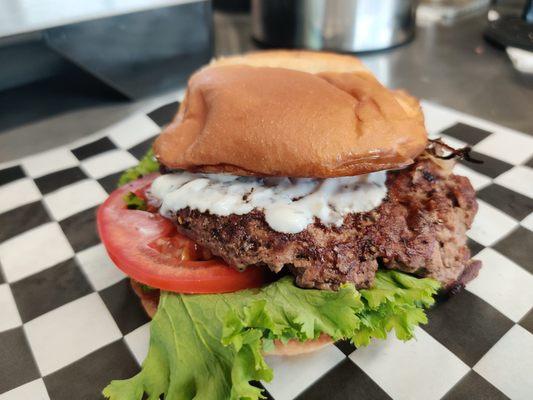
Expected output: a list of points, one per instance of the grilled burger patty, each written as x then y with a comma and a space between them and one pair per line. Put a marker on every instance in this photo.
419, 228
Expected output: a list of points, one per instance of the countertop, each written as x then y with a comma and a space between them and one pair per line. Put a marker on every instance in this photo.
448, 65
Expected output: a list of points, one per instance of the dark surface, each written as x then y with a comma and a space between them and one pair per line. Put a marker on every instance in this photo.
125, 306
489, 166
141, 53
474, 247
479, 324
345, 346
22, 219
517, 247
110, 182
347, 381
16, 362
511, 31
11, 174
527, 321
474, 387
114, 362
91, 149
163, 115
70, 90
265, 393
139, 150
27, 59
81, 239
515, 204
56, 180
54, 287
468, 134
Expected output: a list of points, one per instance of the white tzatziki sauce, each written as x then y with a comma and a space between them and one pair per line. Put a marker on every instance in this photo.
289, 204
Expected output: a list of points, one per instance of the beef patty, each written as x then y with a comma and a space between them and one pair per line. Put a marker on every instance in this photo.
419, 228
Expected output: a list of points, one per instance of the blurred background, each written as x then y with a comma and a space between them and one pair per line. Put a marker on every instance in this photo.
69, 68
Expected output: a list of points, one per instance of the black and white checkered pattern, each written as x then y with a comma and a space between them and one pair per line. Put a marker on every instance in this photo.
69, 322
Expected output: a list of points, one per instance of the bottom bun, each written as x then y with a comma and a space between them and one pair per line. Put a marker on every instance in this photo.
149, 301
294, 347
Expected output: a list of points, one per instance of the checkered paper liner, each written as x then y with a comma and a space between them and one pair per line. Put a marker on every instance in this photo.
69, 322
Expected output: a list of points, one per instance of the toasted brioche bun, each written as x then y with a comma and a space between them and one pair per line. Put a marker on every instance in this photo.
292, 348
291, 113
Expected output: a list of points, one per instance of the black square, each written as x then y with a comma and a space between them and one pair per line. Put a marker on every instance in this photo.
467, 326
49, 289
265, 393
21, 219
515, 204
474, 247
80, 229
344, 381
527, 321
91, 149
11, 174
473, 387
345, 346
86, 378
56, 180
164, 114
17, 365
125, 306
2, 279
466, 133
530, 163
517, 247
142, 148
491, 167
110, 182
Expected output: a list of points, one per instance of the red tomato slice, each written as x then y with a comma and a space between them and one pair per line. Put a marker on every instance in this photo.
148, 248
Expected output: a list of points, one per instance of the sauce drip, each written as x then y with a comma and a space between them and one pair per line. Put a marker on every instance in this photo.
289, 204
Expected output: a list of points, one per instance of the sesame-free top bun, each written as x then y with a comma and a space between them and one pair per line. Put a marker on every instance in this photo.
291, 113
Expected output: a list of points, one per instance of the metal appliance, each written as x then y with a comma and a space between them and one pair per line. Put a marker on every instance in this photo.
339, 25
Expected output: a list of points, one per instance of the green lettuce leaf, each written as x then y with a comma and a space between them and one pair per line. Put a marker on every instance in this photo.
210, 346
147, 165
134, 202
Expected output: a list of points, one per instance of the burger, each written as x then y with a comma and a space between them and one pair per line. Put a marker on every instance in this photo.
292, 202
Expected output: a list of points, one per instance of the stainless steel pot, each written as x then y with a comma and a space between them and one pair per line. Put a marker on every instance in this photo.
340, 25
